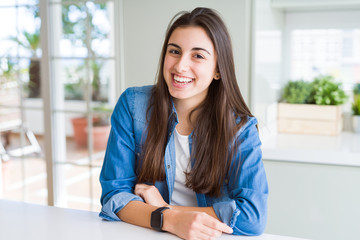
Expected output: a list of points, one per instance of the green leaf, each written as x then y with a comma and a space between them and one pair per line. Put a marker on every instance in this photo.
296, 91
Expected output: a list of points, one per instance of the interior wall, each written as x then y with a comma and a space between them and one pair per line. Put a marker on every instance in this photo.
145, 23
267, 71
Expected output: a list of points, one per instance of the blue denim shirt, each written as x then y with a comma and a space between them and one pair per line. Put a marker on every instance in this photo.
243, 204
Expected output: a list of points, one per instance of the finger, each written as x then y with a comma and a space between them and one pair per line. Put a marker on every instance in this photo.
227, 229
210, 232
200, 231
139, 190
217, 225
140, 185
201, 235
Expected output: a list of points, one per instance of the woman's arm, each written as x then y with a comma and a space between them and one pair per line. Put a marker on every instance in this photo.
183, 223
152, 196
118, 176
247, 184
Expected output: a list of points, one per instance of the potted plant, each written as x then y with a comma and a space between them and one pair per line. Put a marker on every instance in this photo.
9, 95
76, 30
356, 108
311, 107
100, 128
31, 42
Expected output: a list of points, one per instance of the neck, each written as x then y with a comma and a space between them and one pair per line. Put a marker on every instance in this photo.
183, 109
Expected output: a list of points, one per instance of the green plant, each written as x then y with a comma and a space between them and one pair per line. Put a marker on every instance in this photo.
356, 89
356, 103
325, 91
102, 115
296, 91
356, 107
76, 26
7, 72
31, 42
74, 91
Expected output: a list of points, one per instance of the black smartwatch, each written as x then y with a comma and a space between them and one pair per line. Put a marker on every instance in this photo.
157, 218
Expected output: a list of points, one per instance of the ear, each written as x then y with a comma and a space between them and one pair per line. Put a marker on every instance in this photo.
217, 76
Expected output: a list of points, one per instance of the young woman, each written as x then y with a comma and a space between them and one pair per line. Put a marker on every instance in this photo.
184, 155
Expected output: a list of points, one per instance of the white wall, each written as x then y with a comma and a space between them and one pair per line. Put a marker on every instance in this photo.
145, 23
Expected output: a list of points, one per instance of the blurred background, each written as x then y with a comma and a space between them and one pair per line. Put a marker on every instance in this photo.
64, 63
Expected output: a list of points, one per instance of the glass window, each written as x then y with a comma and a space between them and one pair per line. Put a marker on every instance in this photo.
82, 62
82, 70
23, 174
326, 51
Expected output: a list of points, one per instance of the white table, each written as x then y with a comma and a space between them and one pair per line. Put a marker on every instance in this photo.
19, 221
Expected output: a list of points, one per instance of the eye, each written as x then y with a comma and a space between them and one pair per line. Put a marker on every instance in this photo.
199, 56
174, 51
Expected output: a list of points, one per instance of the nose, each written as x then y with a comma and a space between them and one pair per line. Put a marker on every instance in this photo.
182, 65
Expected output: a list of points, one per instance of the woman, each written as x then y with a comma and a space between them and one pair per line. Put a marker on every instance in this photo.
184, 155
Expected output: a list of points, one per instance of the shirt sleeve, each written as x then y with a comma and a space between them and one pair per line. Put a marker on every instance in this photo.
246, 210
117, 177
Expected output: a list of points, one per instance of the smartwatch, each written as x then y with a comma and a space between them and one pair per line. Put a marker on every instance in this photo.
157, 218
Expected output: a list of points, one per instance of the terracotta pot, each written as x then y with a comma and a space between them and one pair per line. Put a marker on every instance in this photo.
100, 133
100, 137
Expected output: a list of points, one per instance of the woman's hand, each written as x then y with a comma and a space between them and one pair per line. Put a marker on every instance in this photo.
185, 224
193, 225
150, 194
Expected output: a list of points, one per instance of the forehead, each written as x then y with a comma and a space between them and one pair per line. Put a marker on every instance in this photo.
191, 36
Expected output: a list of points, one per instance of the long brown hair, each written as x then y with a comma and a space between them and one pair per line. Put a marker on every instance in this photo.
215, 126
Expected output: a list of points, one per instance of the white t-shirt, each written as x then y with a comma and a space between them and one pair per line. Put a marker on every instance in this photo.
182, 196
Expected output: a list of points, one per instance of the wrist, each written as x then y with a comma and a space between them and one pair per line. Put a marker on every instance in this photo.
168, 219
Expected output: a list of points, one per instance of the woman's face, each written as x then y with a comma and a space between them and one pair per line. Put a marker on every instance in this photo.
189, 65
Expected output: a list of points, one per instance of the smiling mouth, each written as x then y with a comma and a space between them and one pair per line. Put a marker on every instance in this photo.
182, 80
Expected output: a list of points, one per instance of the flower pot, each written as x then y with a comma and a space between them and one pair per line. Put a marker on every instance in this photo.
100, 133
80, 135
356, 123
100, 136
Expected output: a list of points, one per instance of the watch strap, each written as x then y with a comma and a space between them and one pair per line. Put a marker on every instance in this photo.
157, 214
161, 209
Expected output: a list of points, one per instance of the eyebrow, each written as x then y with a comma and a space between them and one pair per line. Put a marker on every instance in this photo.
193, 49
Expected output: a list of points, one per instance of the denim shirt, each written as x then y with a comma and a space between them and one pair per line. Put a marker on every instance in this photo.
243, 203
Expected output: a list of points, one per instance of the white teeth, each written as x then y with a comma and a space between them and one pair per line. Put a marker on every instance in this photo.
182, 79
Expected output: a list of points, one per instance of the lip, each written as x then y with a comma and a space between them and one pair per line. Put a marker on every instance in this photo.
180, 85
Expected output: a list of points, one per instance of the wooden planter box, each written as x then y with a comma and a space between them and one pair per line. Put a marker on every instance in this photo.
309, 119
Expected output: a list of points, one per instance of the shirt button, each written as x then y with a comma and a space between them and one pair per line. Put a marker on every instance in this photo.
168, 166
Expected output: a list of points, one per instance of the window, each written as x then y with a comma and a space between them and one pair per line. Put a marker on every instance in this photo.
326, 51
322, 43
81, 89
23, 173
82, 59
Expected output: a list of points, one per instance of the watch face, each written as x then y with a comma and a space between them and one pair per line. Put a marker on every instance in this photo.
156, 220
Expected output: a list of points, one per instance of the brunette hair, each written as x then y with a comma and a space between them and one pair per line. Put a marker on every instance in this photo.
215, 127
